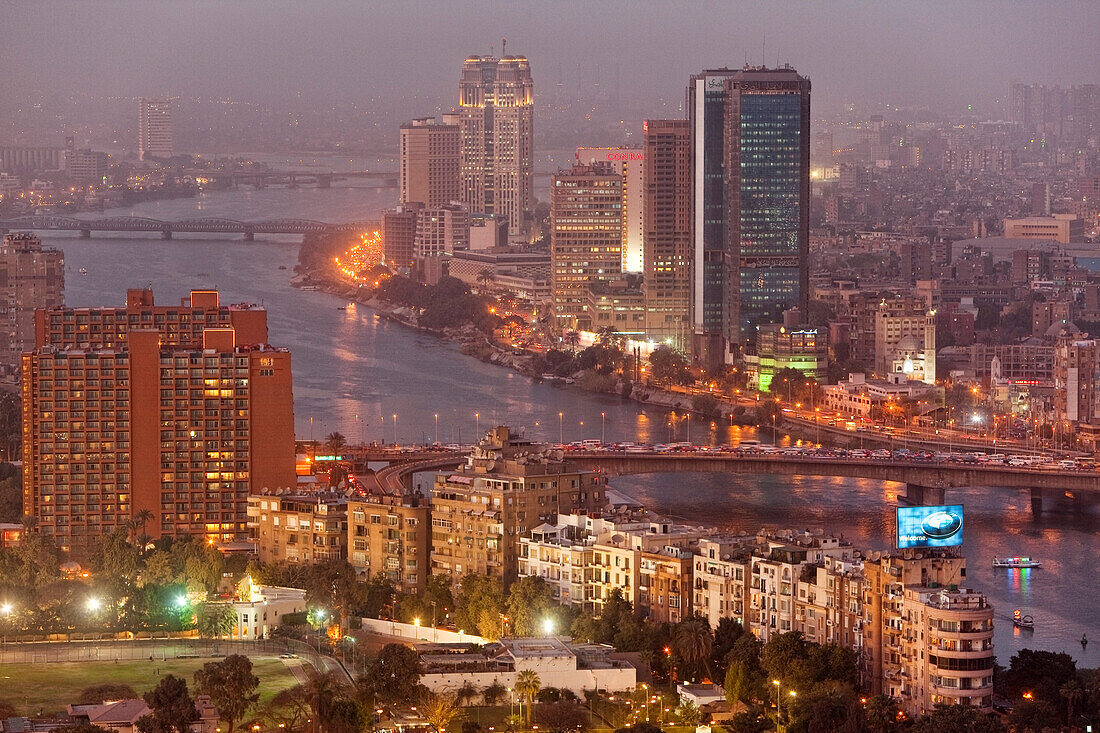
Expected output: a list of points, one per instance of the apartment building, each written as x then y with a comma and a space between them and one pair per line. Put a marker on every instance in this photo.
391, 535
180, 411
507, 487
926, 639
721, 575
299, 528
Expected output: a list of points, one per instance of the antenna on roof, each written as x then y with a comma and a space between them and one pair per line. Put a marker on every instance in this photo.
503, 46
763, 46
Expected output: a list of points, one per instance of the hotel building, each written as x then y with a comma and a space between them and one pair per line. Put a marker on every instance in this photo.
586, 227
496, 115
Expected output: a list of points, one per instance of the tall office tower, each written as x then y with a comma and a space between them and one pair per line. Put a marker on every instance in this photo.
496, 101
586, 230
178, 411
667, 226
631, 161
750, 202
430, 163
30, 277
154, 127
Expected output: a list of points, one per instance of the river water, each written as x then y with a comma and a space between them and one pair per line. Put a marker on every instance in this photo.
354, 373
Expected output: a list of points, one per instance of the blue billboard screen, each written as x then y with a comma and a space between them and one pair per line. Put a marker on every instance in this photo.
930, 526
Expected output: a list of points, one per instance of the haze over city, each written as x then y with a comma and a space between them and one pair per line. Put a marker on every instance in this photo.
549, 367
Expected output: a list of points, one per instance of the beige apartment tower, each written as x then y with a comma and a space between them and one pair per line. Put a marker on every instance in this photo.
30, 277
496, 114
154, 127
585, 238
667, 222
430, 163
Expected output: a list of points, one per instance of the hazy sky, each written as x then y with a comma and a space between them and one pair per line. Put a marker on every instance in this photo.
920, 51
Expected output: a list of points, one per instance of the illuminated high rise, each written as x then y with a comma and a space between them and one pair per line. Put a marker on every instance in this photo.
586, 231
154, 127
496, 120
751, 203
667, 231
180, 411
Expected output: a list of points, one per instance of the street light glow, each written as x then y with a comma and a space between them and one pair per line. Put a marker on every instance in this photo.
548, 626
93, 604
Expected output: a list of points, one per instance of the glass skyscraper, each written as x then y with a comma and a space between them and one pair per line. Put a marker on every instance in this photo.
750, 199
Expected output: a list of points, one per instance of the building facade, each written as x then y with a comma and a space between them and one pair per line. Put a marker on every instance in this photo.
750, 201
496, 116
299, 528
154, 127
181, 412
667, 231
506, 488
585, 237
30, 277
391, 536
431, 157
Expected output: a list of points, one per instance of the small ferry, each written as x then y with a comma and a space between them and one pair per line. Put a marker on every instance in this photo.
83, 270
1016, 562
1022, 621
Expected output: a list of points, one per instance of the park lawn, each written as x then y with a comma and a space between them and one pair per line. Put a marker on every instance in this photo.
50, 687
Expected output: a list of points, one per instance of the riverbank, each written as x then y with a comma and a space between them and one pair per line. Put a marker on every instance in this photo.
474, 343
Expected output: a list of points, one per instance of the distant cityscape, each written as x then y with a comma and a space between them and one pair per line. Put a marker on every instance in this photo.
895, 297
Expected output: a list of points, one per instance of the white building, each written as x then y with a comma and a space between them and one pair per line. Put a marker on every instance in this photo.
558, 663
260, 608
154, 127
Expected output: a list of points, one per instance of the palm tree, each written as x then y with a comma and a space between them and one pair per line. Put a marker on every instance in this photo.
610, 336
693, 640
1073, 693
528, 685
334, 443
485, 277
319, 692
573, 339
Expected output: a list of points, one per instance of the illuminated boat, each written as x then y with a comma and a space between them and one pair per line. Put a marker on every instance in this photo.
1024, 621
1016, 562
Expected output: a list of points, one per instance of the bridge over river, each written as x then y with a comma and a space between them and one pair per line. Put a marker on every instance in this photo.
927, 480
206, 225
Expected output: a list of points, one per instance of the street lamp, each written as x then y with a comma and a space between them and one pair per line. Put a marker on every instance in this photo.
548, 627
477, 426
395, 428
777, 688
561, 428
603, 427
93, 604
437, 427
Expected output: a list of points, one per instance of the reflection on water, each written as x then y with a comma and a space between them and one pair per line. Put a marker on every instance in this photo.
354, 372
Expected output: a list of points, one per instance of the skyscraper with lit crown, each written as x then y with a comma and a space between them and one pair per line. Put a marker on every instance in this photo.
496, 119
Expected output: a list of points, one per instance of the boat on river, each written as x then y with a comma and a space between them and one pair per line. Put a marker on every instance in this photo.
1022, 621
1016, 562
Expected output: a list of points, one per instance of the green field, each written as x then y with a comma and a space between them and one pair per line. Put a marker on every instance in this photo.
50, 687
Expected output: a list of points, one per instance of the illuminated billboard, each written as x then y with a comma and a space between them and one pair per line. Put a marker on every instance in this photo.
930, 526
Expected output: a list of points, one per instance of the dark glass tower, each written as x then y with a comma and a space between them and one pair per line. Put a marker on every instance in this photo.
751, 203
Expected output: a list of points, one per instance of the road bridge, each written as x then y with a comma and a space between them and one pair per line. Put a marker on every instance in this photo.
926, 480
204, 225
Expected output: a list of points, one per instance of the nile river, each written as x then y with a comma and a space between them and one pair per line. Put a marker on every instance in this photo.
354, 373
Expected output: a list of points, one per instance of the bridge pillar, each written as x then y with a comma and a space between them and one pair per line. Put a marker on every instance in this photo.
1036, 502
918, 495
85, 234
324, 180
165, 233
